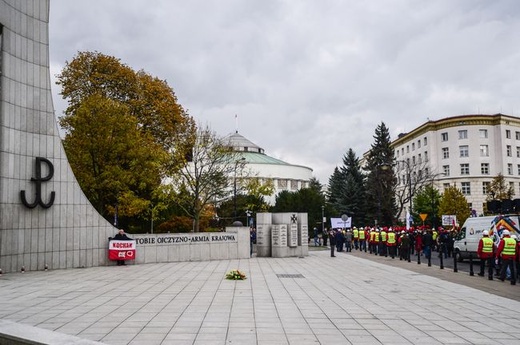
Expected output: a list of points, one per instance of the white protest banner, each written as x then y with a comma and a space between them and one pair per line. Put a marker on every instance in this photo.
339, 223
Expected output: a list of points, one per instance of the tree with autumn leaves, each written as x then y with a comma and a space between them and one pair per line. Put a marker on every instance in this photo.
125, 132
134, 150
453, 202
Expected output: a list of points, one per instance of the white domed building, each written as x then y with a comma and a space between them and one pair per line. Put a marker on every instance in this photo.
285, 176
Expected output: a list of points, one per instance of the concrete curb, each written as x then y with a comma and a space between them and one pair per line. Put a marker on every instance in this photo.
12, 333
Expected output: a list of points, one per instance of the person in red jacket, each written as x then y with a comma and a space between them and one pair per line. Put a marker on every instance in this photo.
485, 254
418, 243
507, 251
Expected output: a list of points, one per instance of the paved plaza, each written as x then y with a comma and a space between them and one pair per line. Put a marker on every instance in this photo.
350, 299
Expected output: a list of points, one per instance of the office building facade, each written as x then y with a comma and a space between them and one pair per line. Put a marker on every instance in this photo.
465, 151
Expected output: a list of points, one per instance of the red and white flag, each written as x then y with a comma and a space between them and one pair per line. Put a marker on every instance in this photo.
121, 250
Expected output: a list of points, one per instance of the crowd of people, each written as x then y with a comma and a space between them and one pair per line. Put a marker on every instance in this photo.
502, 258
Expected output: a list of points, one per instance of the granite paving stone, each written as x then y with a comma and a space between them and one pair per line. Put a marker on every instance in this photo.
350, 299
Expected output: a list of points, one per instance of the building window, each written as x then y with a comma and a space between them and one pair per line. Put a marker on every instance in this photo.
509, 169
508, 151
446, 186
465, 188
485, 188
518, 169
508, 134
413, 146
463, 134
397, 153
426, 171
425, 141
464, 169
418, 144
484, 168
444, 136
482, 133
464, 150
445, 153
484, 151
413, 160
518, 152
407, 149
402, 151
446, 170
512, 187
419, 158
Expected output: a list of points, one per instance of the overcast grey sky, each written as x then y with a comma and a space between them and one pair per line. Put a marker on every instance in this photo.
308, 79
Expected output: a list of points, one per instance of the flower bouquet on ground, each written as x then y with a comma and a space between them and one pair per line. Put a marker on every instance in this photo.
235, 275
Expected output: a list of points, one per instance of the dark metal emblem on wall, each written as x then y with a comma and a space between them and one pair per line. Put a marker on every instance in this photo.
38, 180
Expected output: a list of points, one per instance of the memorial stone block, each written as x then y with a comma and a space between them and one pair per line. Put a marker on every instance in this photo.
293, 235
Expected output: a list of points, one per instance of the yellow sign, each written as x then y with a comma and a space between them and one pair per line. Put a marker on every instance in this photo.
423, 216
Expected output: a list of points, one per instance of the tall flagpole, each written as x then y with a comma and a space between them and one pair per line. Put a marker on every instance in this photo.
236, 123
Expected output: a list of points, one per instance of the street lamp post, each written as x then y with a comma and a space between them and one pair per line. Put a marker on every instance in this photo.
151, 216
248, 215
435, 200
409, 177
322, 218
410, 190
238, 161
409, 186
235, 195
116, 211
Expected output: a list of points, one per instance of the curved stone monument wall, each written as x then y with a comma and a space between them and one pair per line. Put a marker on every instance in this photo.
45, 219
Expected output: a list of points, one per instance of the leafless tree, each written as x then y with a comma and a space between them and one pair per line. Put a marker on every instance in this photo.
411, 175
211, 174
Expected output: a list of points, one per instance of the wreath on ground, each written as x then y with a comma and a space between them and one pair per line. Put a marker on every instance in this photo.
235, 275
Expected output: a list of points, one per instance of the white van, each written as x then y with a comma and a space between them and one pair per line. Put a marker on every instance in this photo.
466, 242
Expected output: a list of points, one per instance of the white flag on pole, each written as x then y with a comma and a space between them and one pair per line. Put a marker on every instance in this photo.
408, 219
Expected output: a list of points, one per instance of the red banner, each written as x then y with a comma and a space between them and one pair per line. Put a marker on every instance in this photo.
121, 250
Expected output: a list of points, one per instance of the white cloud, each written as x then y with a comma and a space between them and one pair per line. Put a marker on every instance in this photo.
308, 79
